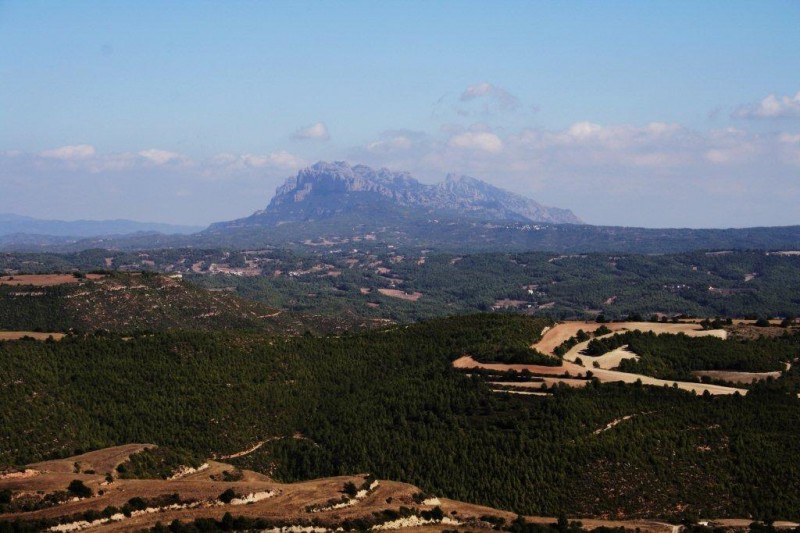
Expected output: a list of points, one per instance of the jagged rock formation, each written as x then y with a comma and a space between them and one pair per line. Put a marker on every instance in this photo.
325, 189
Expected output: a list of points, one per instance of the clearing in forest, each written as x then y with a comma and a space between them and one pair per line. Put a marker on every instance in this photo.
45, 280
38, 335
570, 368
397, 293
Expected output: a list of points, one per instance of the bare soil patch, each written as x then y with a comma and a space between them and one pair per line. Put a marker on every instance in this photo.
45, 280
38, 335
563, 331
522, 392
611, 359
396, 293
549, 381
571, 368
506, 303
105, 460
610, 376
737, 377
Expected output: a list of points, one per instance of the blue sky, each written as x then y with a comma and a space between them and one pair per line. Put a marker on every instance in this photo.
629, 113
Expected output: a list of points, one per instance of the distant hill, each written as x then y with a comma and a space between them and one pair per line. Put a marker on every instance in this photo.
135, 302
11, 224
328, 190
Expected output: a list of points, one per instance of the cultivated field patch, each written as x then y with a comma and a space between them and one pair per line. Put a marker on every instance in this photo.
396, 293
38, 335
603, 371
45, 280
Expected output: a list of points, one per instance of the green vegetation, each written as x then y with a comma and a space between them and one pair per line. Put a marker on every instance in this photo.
31, 502
134, 504
579, 337
389, 402
329, 281
502, 339
243, 523
79, 489
669, 356
140, 303
157, 463
227, 496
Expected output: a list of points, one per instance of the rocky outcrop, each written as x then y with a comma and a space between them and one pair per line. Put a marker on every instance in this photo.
327, 183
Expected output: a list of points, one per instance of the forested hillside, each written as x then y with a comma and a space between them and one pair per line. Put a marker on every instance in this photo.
676, 356
411, 284
389, 402
126, 303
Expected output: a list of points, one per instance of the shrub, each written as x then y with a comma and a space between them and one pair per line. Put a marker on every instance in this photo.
350, 489
79, 489
227, 496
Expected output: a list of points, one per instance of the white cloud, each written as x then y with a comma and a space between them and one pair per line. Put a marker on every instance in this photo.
393, 144
771, 107
476, 90
650, 174
318, 131
654, 174
84, 159
280, 160
617, 136
163, 157
732, 146
586, 144
70, 153
651, 151
789, 138
585, 130
504, 99
284, 159
790, 147
477, 140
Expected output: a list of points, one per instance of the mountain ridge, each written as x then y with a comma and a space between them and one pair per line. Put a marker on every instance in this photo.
11, 224
339, 183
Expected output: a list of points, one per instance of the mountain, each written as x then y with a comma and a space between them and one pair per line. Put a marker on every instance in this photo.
11, 224
336, 204
327, 190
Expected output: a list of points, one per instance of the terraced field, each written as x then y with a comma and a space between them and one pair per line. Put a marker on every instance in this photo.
116, 504
574, 370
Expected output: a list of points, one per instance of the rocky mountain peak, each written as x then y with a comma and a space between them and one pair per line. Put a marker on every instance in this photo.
328, 183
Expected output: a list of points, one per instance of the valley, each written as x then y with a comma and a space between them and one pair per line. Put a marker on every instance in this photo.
354, 281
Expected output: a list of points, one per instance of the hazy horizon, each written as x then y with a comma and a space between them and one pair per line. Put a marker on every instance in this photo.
658, 114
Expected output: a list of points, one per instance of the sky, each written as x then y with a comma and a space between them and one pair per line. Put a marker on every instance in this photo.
654, 114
